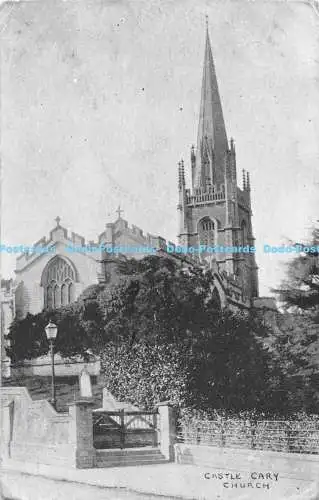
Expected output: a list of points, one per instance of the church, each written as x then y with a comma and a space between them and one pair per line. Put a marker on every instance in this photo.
213, 211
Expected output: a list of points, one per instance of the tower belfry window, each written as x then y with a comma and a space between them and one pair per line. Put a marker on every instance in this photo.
206, 232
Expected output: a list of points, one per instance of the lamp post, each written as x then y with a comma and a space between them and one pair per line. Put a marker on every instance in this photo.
51, 331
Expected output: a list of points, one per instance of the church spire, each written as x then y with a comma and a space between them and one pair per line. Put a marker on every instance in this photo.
212, 139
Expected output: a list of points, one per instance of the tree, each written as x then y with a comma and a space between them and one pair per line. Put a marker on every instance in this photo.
161, 334
299, 292
225, 366
295, 347
28, 338
297, 339
223, 361
159, 301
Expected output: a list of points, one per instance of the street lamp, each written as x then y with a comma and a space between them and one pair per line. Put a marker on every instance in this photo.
51, 331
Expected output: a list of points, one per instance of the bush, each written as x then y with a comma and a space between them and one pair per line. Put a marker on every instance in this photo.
145, 374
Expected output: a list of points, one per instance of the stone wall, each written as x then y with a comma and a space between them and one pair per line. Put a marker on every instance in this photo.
298, 466
33, 431
64, 367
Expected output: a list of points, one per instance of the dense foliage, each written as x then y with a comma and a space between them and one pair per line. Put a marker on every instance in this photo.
161, 335
28, 338
146, 374
297, 432
295, 348
299, 291
297, 339
224, 367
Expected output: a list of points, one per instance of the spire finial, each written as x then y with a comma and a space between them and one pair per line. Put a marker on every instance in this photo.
57, 220
206, 18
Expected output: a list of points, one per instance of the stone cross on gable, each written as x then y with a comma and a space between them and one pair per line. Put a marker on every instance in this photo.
119, 211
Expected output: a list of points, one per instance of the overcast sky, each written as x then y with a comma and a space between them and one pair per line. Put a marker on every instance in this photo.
100, 100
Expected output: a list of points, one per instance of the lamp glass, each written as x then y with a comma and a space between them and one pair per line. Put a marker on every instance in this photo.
51, 331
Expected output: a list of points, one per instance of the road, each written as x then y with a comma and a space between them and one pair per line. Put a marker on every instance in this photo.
154, 482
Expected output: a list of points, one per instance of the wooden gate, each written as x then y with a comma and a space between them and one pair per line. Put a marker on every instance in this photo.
125, 429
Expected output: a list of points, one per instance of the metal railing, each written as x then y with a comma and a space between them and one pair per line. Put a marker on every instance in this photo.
271, 435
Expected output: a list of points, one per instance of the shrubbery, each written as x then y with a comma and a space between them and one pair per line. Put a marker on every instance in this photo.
146, 374
250, 429
161, 335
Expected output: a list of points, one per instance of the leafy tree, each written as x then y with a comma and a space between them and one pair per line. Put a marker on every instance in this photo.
225, 366
299, 291
161, 334
28, 338
235, 369
154, 299
158, 301
295, 346
297, 339
225, 362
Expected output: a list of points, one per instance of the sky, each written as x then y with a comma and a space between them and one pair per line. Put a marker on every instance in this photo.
100, 100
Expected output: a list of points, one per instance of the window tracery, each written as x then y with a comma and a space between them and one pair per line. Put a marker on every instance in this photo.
58, 283
206, 232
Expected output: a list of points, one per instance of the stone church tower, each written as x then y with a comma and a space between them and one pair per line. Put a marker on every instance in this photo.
215, 211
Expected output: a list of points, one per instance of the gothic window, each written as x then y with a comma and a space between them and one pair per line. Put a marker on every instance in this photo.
57, 302
50, 296
71, 292
206, 232
58, 282
64, 294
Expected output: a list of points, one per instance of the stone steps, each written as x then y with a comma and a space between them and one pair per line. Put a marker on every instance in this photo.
129, 456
